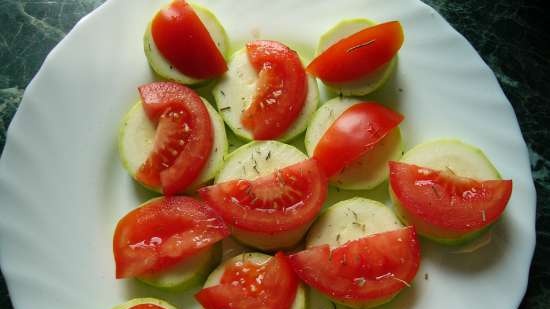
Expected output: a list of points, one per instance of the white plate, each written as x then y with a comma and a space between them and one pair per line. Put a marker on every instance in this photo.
62, 187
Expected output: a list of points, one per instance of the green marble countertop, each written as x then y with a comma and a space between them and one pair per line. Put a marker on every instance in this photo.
511, 37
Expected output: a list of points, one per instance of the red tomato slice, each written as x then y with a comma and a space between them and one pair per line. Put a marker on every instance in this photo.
353, 134
281, 201
146, 306
249, 286
183, 140
162, 233
281, 90
359, 54
184, 41
446, 205
372, 268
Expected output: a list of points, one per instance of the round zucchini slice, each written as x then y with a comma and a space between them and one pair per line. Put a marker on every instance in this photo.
145, 301
454, 155
258, 158
235, 91
251, 161
164, 69
366, 84
457, 157
368, 171
137, 136
256, 258
190, 273
350, 220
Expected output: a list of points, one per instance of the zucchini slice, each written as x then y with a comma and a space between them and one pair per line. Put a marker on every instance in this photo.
190, 273
368, 83
137, 137
164, 69
350, 220
145, 301
458, 157
258, 158
368, 171
235, 91
256, 258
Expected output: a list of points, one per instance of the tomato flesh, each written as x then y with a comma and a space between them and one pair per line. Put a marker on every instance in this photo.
162, 233
146, 306
372, 268
183, 139
443, 204
245, 285
359, 54
281, 89
184, 41
356, 131
281, 201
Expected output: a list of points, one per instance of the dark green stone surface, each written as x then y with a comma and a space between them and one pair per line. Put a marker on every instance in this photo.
511, 36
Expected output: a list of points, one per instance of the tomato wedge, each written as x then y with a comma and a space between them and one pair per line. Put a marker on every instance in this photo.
163, 232
281, 90
359, 54
183, 139
444, 205
281, 201
372, 268
184, 41
245, 285
356, 131
146, 306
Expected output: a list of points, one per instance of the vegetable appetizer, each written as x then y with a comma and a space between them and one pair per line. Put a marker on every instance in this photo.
270, 196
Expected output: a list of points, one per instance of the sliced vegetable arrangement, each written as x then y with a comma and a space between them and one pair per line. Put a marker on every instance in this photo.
271, 196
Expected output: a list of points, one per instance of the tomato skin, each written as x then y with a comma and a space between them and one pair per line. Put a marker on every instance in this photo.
369, 269
270, 286
281, 91
184, 41
443, 205
353, 134
162, 233
359, 54
146, 306
157, 97
284, 200
184, 137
